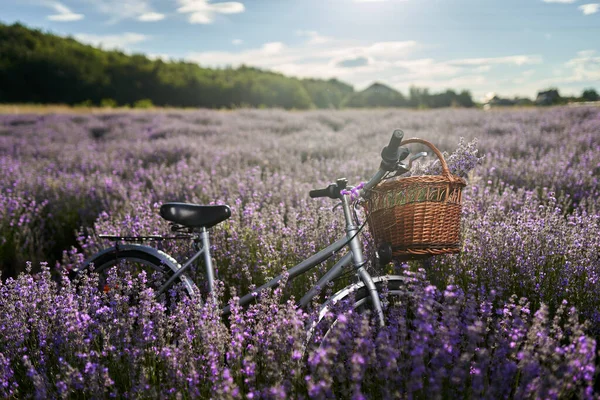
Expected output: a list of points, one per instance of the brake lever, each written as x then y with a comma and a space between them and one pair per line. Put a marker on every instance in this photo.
416, 157
402, 168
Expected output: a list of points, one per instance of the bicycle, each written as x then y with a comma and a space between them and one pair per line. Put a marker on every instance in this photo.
192, 222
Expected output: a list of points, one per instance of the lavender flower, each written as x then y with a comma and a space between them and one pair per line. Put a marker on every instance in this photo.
514, 315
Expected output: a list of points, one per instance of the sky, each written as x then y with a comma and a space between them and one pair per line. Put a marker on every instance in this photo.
508, 47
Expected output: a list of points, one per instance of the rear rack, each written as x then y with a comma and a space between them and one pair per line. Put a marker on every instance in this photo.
119, 238
187, 233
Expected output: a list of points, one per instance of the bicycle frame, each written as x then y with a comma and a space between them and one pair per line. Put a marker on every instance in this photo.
354, 258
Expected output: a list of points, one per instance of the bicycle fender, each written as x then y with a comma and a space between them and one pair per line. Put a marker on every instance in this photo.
110, 253
346, 293
350, 290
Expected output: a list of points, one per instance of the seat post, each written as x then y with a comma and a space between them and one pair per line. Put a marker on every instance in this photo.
210, 273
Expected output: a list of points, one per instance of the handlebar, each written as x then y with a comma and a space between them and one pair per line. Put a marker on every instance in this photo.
332, 191
329, 191
375, 179
391, 155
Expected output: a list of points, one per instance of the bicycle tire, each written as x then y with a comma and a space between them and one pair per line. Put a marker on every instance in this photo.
156, 260
358, 295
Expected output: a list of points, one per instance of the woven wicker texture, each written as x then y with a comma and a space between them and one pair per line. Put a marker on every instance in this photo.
417, 215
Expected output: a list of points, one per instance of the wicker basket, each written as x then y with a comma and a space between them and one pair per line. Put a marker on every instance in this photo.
417, 216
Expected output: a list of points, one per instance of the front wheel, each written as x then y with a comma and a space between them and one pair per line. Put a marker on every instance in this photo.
130, 260
395, 292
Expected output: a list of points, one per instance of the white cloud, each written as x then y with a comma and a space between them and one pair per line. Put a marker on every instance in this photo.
584, 68
203, 11
525, 77
121, 41
574, 75
369, 1
560, 1
237, 42
586, 53
64, 13
314, 37
119, 10
361, 63
515, 60
318, 59
151, 17
589, 9
425, 68
391, 50
456, 83
482, 68
272, 48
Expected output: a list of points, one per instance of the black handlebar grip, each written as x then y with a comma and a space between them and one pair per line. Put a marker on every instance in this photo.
396, 138
390, 153
316, 193
332, 191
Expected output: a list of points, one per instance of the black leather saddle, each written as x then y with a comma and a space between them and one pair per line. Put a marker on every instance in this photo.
194, 215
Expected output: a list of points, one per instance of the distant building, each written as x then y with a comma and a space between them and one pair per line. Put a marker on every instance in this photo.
497, 101
547, 98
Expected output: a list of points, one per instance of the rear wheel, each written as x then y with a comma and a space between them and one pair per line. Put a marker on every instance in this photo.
129, 261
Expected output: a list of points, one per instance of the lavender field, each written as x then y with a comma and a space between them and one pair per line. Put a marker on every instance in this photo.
515, 315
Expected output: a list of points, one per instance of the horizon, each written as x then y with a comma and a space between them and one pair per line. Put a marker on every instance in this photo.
513, 49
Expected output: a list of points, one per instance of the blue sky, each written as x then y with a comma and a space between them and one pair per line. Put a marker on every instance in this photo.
511, 47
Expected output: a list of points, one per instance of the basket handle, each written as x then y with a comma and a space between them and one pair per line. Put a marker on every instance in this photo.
445, 169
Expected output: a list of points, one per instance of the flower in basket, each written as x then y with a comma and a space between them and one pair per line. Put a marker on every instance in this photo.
464, 159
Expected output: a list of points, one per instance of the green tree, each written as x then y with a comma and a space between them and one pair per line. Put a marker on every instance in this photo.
376, 95
327, 94
590, 95
464, 99
418, 97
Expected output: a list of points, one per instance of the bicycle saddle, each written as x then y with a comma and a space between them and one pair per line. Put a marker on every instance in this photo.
194, 215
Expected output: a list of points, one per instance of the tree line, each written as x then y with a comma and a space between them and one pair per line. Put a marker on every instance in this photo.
548, 97
39, 67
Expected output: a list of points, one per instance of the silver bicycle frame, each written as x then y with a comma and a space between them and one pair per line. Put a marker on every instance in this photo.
357, 258
354, 258
210, 272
